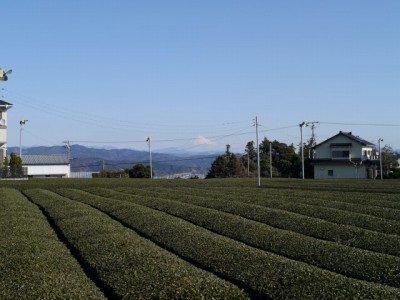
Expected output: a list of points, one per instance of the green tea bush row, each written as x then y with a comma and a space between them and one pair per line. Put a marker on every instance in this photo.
380, 212
370, 186
34, 263
333, 215
131, 266
365, 198
325, 213
339, 200
318, 228
349, 261
268, 275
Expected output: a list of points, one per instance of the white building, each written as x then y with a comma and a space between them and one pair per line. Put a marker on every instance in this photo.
345, 156
4, 106
47, 165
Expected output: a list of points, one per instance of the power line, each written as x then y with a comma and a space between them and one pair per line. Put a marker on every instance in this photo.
361, 124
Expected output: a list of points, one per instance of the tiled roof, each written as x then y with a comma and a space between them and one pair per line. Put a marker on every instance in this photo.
29, 160
356, 138
4, 103
350, 136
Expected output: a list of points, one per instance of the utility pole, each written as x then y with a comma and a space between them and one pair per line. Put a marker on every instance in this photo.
303, 124
248, 164
380, 157
103, 167
22, 122
313, 137
270, 160
313, 141
258, 155
68, 147
148, 140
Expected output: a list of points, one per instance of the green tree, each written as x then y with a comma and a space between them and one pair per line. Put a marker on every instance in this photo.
265, 159
226, 165
285, 161
249, 160
15, 165
4, 168
140, 171
389, 160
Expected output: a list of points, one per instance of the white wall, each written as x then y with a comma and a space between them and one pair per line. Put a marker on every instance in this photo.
339, 172
56, 170
3, 136
325, 149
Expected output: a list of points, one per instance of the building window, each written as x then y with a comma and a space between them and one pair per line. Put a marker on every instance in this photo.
330, 173
340, 154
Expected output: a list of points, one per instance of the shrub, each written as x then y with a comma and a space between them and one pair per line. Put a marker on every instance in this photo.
129, 265
349, 261
255, 269
34, 264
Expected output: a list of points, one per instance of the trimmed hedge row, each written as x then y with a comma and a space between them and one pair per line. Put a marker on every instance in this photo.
337, 200
318, 228
267, 274
324, 213
380, 212
362, 186
349, 261
34, 264
130, 266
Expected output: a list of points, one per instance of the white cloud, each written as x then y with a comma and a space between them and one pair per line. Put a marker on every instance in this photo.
202, 140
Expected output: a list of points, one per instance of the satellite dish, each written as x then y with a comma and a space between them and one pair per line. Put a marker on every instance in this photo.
2, 122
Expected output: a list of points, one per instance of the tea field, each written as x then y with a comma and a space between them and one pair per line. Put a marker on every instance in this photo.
199, 239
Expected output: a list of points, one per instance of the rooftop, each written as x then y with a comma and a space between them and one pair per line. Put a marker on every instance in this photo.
4, 103
350, 136
29, 159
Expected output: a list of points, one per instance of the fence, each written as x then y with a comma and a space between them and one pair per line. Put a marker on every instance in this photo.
11, 173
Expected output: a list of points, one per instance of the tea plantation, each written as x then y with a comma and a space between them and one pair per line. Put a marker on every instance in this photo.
199, 239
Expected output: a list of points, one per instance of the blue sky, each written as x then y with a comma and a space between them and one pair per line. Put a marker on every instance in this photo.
194, 74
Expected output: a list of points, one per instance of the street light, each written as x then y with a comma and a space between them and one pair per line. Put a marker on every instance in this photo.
380, 157
3, 75
22, 122
148, 140
303, 124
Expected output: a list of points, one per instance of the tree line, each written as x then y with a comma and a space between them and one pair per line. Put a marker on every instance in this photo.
11, 168
281, 160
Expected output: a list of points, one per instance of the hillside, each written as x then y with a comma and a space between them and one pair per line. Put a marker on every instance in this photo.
92, 159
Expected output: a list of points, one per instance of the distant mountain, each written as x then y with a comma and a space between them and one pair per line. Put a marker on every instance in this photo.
92, 159
185, 153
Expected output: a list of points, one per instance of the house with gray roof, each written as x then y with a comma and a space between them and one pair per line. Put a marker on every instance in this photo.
57, 166
345, 156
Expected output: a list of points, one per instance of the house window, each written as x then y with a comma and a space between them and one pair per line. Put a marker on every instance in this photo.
340, 154
330, 173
